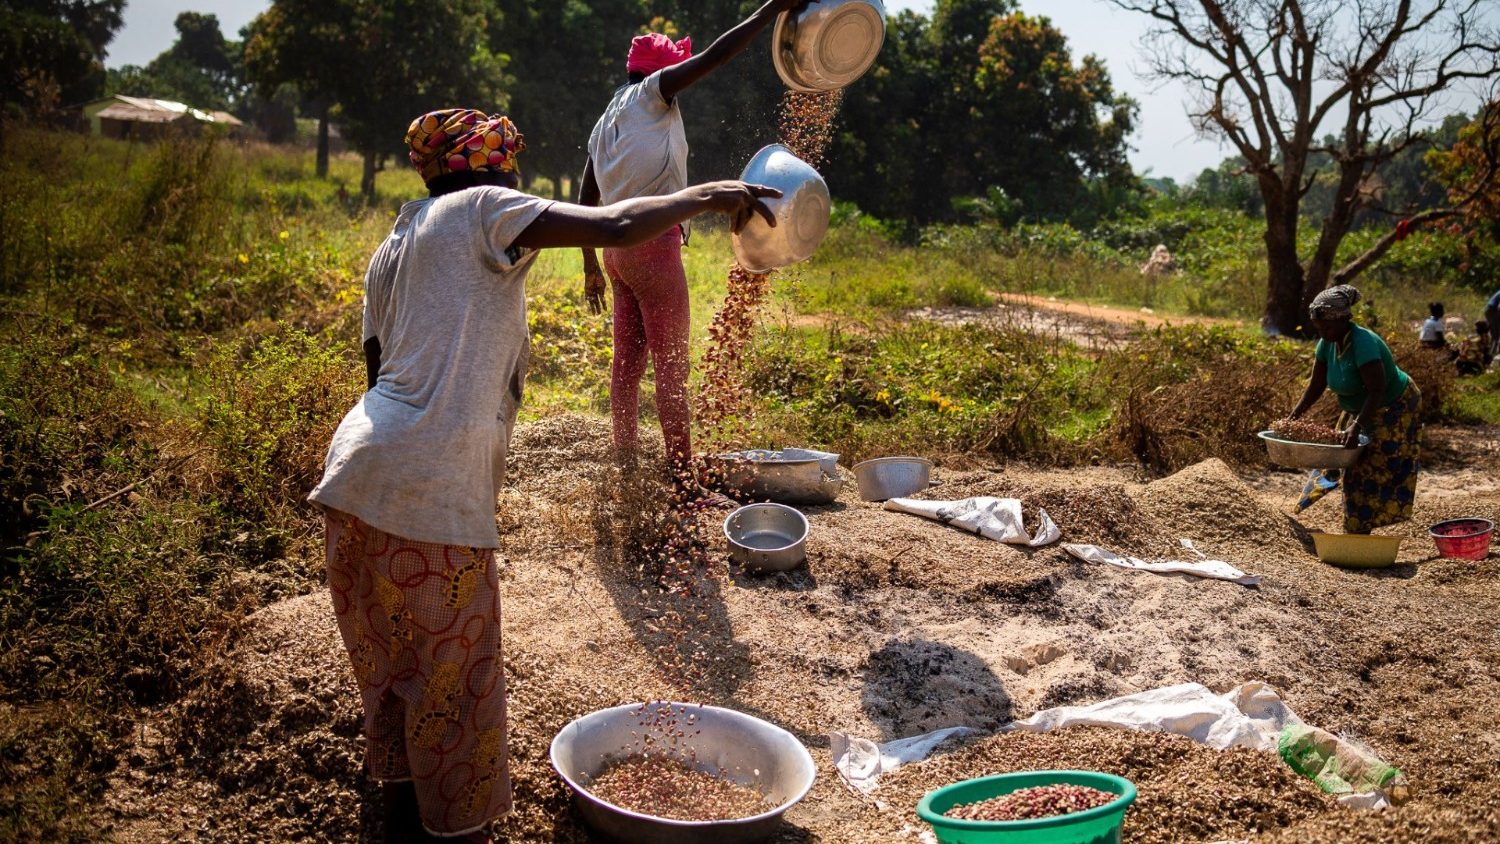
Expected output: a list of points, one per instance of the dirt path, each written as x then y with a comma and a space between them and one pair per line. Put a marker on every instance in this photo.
897, 626
1108, 313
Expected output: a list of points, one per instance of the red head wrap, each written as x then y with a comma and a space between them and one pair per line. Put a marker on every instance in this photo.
654, 51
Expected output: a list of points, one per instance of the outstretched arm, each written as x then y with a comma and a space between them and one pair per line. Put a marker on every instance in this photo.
636, 221
1314, 390
682, 76
593, 275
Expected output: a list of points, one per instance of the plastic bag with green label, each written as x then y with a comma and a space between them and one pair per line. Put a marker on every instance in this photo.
1339, 766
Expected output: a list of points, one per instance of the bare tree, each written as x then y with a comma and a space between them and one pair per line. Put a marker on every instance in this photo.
1270, 75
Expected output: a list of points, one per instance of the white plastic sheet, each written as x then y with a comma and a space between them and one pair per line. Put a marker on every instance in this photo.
992, 518
1203, 567
861, 761
1251, 715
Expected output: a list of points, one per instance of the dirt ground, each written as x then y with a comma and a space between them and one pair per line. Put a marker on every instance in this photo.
897, 626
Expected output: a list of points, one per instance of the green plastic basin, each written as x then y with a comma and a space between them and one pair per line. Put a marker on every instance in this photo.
1100, 825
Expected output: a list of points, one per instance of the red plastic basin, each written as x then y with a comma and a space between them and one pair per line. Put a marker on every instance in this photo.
1463, 539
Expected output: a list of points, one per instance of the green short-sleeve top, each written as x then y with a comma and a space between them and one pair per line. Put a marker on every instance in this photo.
1344, 360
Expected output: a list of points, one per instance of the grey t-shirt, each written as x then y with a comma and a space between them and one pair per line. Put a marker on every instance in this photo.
422, 454
639, 147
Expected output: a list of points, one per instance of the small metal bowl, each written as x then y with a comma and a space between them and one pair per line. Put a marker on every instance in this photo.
802, 213
767, 537
751, 751
828, 45
892, 477
1298, 455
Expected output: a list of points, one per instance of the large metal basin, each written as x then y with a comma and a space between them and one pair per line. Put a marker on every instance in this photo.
767, 537
802, 212
828, 44
1311, 455
790, 476
892, 477
750, 751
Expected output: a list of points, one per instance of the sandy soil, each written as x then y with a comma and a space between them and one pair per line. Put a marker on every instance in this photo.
898, 626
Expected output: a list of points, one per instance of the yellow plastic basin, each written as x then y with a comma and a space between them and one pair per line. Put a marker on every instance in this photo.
1357, 550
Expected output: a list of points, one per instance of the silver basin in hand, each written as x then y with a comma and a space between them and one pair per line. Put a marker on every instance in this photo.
1300, 455
801, 213
827, 44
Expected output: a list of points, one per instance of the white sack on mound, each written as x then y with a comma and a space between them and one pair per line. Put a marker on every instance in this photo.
992, 518
1251, 715
1212, 569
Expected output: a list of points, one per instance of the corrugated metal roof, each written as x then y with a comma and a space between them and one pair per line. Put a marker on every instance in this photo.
135, 114
140, 109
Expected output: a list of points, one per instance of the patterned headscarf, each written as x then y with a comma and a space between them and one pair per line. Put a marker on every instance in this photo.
459, 139
1336, 302
653, 51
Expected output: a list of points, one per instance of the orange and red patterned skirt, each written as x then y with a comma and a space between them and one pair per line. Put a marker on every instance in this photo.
422, 625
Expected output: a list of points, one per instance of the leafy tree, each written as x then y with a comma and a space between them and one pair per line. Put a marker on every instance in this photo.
301, 43
200, 69
993, 103
1275, 76
383, 62
1471, 169
559, 93
53, 51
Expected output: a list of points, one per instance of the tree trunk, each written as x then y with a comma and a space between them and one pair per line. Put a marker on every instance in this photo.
367, 181
1285, 312
323, 143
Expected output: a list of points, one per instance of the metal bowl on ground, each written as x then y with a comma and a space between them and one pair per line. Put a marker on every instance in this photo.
790, 476
750, 751
1357, 550
802, 212
1311, 455
892, 477
767, 537
828, 44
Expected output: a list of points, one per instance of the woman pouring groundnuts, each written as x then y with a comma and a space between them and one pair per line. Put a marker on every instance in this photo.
1377, 400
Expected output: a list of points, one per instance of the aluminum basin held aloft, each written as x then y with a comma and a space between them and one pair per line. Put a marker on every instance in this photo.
802, 212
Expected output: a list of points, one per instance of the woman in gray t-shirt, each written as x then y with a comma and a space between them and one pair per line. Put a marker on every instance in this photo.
412, 474
638, 148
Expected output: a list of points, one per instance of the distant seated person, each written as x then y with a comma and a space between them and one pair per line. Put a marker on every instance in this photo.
1431, 334
1161, 262
1492, 316
1475, 353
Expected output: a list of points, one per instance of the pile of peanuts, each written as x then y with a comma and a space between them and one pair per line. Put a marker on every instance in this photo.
663, 787
1303, 431
1043, 801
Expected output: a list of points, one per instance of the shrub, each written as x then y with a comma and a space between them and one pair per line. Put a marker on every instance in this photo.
270, 408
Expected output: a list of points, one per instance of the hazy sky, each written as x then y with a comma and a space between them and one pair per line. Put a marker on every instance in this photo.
1165, 144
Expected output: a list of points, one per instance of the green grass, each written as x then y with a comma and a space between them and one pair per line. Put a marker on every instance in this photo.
1476, 401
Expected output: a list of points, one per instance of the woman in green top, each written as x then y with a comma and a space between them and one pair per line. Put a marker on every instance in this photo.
1379, 401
